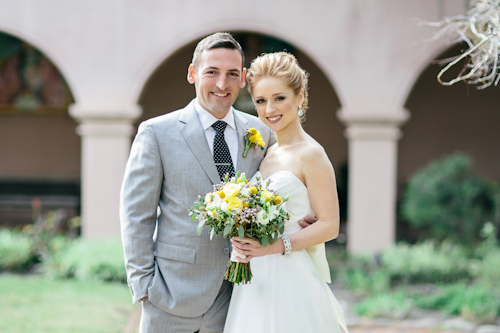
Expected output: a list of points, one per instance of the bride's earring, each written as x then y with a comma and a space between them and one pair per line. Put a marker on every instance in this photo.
301, 112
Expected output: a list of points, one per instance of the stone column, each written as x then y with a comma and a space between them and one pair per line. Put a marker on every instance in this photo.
373, 137
105, 132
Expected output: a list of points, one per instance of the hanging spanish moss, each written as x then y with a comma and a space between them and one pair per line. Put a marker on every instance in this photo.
480, 29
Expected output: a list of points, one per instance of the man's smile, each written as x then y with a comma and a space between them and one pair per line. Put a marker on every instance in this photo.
220, 95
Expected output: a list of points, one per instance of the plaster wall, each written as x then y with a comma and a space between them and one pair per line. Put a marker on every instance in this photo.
39, 147
108, 49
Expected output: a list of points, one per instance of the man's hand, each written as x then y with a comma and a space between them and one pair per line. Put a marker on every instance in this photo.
307, 221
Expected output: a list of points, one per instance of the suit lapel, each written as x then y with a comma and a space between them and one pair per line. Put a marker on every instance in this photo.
243, 164
194, 135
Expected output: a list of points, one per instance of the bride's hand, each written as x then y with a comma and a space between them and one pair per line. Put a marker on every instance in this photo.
252, 248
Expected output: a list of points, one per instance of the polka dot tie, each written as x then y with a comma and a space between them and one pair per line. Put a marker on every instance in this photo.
222, 156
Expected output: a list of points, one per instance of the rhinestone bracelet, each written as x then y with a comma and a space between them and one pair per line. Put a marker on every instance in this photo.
288, 245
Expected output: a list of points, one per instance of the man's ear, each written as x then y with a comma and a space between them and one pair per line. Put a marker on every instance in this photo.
243, 75
191, 74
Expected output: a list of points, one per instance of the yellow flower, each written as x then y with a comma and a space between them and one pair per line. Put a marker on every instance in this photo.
277, 200
235, 204
208, 198
266, 194
231, 190
253, 138
238, 180
221, 194
246, 204
213, 213
252, 190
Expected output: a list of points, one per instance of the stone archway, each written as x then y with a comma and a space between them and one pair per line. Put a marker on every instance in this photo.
447, 119
38, 144
167, 89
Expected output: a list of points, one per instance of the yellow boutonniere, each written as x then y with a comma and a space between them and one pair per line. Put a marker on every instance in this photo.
253, 139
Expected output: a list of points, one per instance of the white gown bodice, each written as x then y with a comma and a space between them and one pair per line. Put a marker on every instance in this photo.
287, 294
286, 183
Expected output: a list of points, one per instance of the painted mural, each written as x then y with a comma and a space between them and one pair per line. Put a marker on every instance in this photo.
29, 82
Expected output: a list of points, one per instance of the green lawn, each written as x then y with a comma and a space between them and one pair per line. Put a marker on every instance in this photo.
36, 304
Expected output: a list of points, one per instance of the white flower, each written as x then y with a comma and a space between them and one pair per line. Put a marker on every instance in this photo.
244, 191
216, 202
273, 212
261, 217
224, 206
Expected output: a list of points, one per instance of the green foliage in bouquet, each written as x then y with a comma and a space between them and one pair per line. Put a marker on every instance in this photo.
446, 199
237, 207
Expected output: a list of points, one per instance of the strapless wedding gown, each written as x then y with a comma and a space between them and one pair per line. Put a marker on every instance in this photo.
287, 294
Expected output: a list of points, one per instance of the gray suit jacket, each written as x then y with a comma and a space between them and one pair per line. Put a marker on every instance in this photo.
170, 165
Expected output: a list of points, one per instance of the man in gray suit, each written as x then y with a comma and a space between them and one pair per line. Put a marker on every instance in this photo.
179, 275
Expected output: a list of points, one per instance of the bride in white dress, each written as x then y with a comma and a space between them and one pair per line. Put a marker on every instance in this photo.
288, 291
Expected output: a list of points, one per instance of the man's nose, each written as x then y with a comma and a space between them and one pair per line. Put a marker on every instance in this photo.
222, 83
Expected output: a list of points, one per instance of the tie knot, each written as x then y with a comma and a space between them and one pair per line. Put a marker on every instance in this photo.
219, 126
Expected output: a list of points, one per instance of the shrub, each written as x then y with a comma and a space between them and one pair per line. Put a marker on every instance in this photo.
448, 200
426, 263
390, 305
475, 302
487, 270
480, 305
448, 298
361, 275
16, 253
100, 259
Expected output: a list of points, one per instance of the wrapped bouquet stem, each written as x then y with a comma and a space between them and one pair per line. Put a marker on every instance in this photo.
237, 207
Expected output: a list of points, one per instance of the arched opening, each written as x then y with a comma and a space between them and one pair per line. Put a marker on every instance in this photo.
167, 89
447, 119
39, 147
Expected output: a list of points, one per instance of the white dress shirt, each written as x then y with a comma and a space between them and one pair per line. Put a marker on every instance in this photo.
230, 133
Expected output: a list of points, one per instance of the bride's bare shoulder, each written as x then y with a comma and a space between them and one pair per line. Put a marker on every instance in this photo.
311, 149
314, 160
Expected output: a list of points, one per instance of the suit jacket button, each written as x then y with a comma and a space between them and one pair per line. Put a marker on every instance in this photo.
226, 250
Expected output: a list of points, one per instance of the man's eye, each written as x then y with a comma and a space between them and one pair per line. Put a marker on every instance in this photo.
211, 72
234, 74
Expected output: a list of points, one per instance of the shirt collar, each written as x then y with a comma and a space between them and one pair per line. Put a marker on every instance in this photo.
207, 119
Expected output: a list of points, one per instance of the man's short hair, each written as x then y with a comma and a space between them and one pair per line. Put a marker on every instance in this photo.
218, 40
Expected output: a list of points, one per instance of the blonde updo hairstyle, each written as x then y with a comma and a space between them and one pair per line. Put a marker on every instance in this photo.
283, 66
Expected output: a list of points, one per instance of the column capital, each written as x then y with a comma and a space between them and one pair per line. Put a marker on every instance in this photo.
373, 116
373, 123
103, 112
103, 119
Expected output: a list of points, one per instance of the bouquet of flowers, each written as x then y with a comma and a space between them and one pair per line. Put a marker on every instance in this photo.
237, 207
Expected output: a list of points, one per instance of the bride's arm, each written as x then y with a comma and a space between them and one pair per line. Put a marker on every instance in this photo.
319, 177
